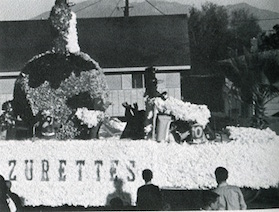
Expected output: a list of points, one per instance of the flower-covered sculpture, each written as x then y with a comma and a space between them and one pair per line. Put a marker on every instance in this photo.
184, 111
62, 79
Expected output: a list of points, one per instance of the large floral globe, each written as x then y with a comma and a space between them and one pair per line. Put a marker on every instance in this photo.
60, 80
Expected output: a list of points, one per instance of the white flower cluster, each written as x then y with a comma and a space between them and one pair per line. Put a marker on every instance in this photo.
184, 111
173, 165
90, 117
251, 135
72, 37
253, 166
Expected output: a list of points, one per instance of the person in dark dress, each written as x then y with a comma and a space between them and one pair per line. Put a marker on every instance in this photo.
149, 195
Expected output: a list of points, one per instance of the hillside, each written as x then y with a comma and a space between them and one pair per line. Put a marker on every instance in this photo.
110, 8
259, 13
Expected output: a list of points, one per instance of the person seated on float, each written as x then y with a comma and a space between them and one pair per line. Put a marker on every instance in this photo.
151, 83
8, 117
181, 131
45, 127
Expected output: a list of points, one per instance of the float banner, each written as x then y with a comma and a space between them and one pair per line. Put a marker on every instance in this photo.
78, 172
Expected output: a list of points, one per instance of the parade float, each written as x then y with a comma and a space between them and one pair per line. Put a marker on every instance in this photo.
61, 96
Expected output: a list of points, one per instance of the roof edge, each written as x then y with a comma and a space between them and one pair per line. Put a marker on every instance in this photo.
116, 70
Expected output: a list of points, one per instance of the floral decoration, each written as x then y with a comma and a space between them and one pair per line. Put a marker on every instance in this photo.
57, 80
250, 135
72, 38
173, 165
90, 117
184, 111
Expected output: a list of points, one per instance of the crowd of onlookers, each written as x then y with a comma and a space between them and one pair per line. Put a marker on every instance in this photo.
149, 196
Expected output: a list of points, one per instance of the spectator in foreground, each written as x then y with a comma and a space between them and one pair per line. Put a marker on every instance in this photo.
148, 195
210, 200
13, 196
230, 197
3, 195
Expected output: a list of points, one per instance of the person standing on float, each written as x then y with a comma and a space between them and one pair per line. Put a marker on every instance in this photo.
150, 94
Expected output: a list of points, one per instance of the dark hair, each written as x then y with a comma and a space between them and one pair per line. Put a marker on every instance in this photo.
209, 197
221, 174
147, 175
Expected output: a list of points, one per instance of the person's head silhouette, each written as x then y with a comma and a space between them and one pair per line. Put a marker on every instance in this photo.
147, 175
221, 174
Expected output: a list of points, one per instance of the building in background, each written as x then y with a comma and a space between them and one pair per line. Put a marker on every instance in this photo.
123, 46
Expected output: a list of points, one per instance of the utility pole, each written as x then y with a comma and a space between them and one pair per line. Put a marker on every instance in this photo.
126, 8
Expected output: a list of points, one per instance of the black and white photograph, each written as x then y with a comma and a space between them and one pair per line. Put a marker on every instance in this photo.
139, 105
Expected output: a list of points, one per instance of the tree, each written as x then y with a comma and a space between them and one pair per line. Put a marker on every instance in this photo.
269, 40
243, 27
208, 32
251, 77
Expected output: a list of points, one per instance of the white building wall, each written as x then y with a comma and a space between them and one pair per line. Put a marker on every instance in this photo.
120, 90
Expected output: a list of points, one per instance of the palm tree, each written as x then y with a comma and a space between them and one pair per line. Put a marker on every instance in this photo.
254, 76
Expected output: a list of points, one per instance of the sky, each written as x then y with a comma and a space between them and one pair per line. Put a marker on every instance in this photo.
27, 9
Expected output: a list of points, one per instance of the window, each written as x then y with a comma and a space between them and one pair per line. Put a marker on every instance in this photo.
137, 80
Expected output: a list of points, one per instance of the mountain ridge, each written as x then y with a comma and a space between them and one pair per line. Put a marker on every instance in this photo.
107, 8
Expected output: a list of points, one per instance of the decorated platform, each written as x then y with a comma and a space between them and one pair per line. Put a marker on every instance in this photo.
81, 172
61, 97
